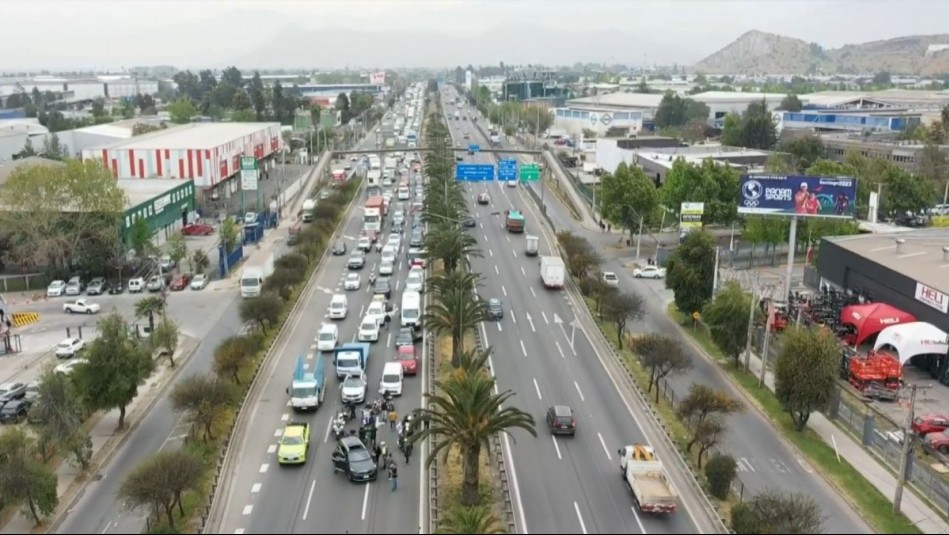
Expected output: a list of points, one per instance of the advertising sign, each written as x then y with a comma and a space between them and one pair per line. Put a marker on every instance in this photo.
690, 215
249, 173
933, 298
803, 196
378, 78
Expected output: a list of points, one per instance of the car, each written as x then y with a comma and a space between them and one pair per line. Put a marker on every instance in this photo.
468, 222
512, 183
352, 458
483, 198
382, 287
930, 423
136, 285
364, 244
324, 194
294, 443
74, 286
357, 260
67, 367
406, 337
386, 267
462, 158
495, 309
347, 167
32, 391
96, 286
180, 282
56, 288
610, 279
81, 306
395, 240
116, 287
166, 262
155, 284
199, 282
250, 218
368, 330
353, 159
327, 337
561, 421
352, 282
417, 238
353, 388
398, 218
650, 272
14, 411
405, 354
339, 249
415, 281
69, 347
467, 135
937, 441
11, 391
197, 229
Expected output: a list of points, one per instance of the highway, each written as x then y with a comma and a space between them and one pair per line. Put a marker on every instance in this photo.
264, 497
764, 459
562, 485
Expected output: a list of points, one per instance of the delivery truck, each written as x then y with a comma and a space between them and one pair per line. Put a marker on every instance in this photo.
646, 478
351, 359
552, 271
254, 274
307, 389
514, 221
309, 206
533, 243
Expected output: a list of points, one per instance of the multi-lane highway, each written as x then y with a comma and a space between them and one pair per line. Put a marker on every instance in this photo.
562, 485
264, 497
764, 460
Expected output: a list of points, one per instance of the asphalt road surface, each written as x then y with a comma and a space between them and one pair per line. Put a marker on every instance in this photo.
764, 460
562, 485
265, 497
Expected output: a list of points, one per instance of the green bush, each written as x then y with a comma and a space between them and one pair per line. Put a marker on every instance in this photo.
720, 471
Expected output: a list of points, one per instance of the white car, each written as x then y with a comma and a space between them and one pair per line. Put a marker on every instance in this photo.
56, 288
69, 347
650, 272
67, 367
329, 335
386, 268
364, 244
352, 282
250, 218
74, 286
610, 278
368, 330
199, 281
415, 282
353, 389
388, 254
136, 285
395, 240
512, 183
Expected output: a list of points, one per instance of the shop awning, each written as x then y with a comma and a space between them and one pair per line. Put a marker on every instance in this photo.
912, 339
872, 318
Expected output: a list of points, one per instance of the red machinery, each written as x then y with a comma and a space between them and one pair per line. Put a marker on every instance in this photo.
878, 374
776, 313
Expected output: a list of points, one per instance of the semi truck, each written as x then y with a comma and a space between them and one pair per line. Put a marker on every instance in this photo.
552, 271
254, 274
309, 206
351, 359
514, 221
307, 390
646, 478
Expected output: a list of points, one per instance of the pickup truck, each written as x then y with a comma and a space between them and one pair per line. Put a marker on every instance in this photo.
81, 306
646, 478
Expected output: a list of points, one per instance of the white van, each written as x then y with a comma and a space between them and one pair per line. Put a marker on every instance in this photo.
338, 307
329, 335
391, 379
411, 309
388, 254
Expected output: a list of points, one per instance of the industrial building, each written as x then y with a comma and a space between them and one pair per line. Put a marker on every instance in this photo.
79, 139
906, 155
15, 132
108, 86
208, 153
600, 113
610, 152
656, 162
165, 204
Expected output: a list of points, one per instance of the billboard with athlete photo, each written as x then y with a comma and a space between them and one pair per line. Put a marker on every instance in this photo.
803, 196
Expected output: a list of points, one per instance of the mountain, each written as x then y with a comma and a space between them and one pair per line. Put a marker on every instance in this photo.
757, 52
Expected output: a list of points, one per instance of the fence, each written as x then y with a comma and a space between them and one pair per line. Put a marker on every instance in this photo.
24, 282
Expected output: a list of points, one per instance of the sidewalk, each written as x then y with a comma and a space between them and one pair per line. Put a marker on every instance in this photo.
915, 509
106, 441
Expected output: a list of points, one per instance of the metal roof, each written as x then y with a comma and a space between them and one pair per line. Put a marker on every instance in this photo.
735, 96
139, 191
7, 168
920, 256
624, 100
190, 136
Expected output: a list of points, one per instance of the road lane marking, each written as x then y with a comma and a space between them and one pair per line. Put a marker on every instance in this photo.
515, 253
365, 501
389, 340
256, 488
636, 516
556, 447
313, 347
248, 509
537, 388
524, 273
508, 238
284, 417
560, 349
278, 432
481, 225
578, 391
329, 427
496, 271
499, 326
272, 448
607, 450
490, 252
513, 317
504, 290
531, 321
239, 531
583, 527
524, 350
264, 467
309, 500
532, 289
485, 238
545, 317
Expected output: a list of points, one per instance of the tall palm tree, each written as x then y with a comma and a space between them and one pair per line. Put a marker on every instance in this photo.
470, 519
455, 312
445, 282
451, 245
466, 413
148, 307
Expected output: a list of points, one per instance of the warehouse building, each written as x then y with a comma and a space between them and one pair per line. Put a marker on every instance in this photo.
207, 153
165, 204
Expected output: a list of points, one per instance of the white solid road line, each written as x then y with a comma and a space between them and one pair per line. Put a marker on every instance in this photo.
537, 388
607, 450
524, 350
515, 253
578, 391
485, 238
499, 326
516, 487
556, 447
504, 290
636, 516
583, 527
389, 340
309, 500
365, 501
514, 317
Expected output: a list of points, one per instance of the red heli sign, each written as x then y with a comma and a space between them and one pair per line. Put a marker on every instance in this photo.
933, 298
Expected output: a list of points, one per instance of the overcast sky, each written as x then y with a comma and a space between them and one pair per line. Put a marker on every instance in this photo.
74, 34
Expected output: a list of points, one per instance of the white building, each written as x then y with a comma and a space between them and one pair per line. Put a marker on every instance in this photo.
15, 132
469, 80
656, 162
600, 113
106, 86
721, 103
80, 139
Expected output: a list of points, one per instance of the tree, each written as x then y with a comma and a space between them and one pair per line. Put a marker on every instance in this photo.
805, 375
537, 119
282, 281
58, 410
455, 310
177, 247
804, 151
181, 111
727, 319
53, 149
24, 478
200, 261
690, 271
710, 182
203, 398
165, 338
934, 165
619, 308
774, 511
264, 310
450, 244
463, 520
720, 472
675, 111
140, 238
703, 402
791, 103
258, 98
706, 435
342, 106
240, 101
627, 196
231, 355
755, 129
582, 257
232, 75
661, 355
26, 151
230, 235
159, 482
148, 307
116, 365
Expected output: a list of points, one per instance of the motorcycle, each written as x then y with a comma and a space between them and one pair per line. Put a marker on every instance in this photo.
339, 425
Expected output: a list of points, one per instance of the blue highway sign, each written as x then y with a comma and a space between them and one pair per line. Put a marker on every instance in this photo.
474, 172
474, 148
507, 169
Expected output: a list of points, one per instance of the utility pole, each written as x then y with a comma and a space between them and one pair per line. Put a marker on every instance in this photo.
639, 237
907, 449
751, 325
765, 347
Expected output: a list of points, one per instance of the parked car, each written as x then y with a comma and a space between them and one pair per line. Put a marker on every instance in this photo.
56, 288
180, 282
69, 347
650, 272
155, 284
166, 262
96, 286
197, 229
199, 281
136, 285
67, 367
32, 391
116, 287
930, 423
11, 391
74, 286
14, 411
610, 278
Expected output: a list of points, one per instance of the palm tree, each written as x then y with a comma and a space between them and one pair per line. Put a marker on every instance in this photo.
455, 312
451, 245
467, 413
148, 307
445, 282
464, 519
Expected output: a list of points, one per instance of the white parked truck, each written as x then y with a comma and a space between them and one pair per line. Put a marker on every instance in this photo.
254, 275
308, 206
552, 271
646, 478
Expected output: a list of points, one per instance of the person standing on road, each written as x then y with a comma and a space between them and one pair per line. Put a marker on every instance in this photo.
394, 476
407, 450
393, 418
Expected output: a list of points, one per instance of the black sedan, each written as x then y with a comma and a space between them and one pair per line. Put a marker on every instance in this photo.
405, 337
382, 287
469, 222
483, 198
116, 287
339, 249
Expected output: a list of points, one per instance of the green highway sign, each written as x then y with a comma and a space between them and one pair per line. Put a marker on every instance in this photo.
530, 172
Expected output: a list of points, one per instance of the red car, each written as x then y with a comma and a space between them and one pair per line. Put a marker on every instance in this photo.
197, 229
180, 282
938, 442
406, 357
930, 423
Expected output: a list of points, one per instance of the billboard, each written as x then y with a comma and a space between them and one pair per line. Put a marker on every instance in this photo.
690, 215
803, 196
378, 78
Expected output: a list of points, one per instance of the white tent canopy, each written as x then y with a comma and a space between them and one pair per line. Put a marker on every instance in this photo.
912, 339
